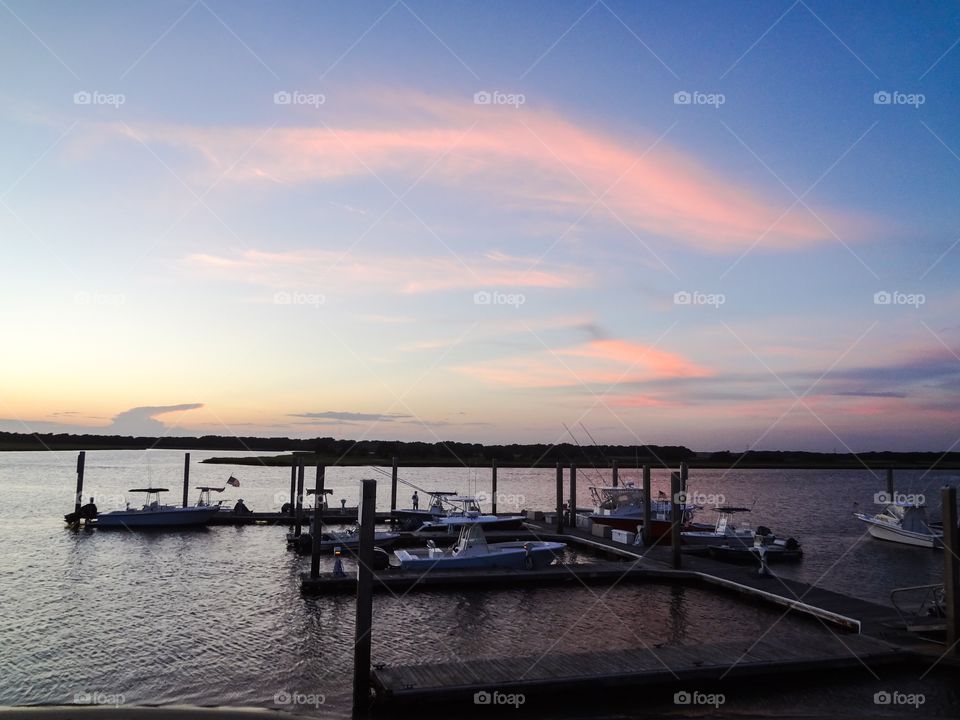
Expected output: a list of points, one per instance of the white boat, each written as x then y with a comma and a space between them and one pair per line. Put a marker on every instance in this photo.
155, 515
472, 551
723, 533
466, 510
433, 510
904, 523
347, 540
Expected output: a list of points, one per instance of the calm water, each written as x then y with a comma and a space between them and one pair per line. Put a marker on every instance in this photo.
215, 616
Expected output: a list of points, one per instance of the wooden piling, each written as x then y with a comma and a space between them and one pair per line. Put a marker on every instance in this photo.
951, 574
317, 531
889, 484
684, 471
572, 522
615, 472
647, 521
186, 478
559, 497
676, 518
364, 624
493, 485
297, 530
393, 486
293, 488
78, 498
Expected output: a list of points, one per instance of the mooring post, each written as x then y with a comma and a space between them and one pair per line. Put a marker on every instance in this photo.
951, 574
676, 517
493, 486
572, 520
615, 472
298, 519
393, 486
683, 478
889, 484
559, 497
317, 531
364, 624
647, 529
186, 477
293, 487
78, 498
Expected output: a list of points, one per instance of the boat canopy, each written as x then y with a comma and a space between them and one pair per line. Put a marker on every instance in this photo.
149, 490
730, 509
207, 488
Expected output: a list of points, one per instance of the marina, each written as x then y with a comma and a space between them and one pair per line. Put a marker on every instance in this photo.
863, 632
486, 556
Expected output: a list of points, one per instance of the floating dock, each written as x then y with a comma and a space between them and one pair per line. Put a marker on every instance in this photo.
860, 630
594, 673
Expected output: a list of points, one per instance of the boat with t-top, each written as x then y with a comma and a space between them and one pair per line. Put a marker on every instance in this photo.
621, 507
472, 551
153, 514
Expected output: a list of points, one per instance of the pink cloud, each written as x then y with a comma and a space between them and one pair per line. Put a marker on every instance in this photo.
597, 362
309, 269
524, 157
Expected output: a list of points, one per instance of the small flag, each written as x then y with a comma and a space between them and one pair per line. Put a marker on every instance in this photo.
233, 481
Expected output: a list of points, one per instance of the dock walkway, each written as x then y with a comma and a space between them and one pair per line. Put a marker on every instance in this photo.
597, 672
868, 631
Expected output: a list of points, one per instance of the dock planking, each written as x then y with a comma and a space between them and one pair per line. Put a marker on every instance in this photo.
592, 675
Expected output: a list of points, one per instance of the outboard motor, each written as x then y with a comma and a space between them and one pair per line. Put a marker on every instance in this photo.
87, 512
304, 543
381, 559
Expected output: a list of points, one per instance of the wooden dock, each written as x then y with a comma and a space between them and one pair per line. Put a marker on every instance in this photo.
594, 675
397, 580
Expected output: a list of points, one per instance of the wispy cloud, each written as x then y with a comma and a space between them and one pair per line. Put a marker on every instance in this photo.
597, 361
310, 268
351, 416
529, 158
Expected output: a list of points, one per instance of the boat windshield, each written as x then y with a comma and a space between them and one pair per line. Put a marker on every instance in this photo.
613, 498
471, 539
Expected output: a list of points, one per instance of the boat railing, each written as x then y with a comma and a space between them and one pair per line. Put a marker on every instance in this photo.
919, 607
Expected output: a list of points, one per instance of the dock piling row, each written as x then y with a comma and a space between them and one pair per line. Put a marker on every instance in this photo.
676, 518
364, 624
186, 478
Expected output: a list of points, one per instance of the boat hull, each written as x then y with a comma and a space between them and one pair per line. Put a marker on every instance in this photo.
706, 539
500, 523
893, 533
171, 518
904, 537
509, 556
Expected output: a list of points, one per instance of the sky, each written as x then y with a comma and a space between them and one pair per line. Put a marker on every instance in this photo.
721, 225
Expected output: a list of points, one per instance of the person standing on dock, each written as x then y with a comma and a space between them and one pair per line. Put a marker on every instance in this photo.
416, 500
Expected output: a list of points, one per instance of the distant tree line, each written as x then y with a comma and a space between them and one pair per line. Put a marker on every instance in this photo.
357, 452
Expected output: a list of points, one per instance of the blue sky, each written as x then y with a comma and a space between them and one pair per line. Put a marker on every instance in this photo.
387, 256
